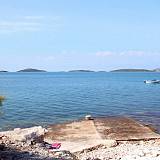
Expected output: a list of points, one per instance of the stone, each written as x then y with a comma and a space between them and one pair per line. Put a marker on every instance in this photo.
2, 147
110, 143
24, 135
88, 117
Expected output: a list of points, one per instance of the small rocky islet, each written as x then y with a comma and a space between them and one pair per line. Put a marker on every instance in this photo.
31, 70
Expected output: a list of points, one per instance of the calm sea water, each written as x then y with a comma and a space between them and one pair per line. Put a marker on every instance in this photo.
47, 98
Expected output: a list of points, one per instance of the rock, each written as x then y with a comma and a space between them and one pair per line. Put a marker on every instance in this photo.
141, 154
24, 135
17, 129
88, 117
66, 155
2, 147
110, 143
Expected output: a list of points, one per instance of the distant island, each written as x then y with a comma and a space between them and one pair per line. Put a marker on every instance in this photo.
3, 71
81, 71
120, 70
31, 70
101, 71
132, 70
87, 71
157, 70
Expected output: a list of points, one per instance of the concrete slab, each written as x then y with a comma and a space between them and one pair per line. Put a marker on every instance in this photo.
79, 135
122, 128
74, 136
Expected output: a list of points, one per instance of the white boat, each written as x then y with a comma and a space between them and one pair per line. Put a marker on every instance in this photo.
154, 81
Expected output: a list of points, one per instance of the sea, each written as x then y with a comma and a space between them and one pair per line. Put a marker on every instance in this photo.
49, 98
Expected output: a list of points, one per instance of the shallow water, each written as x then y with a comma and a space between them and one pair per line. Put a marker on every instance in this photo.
47, 98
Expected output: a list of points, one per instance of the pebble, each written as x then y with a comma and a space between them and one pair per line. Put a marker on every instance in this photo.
24, 151
125, 151
109, 149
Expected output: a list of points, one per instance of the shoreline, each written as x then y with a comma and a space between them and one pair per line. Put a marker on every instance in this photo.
82, 139
47, 125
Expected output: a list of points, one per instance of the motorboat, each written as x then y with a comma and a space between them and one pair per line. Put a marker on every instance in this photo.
154, 81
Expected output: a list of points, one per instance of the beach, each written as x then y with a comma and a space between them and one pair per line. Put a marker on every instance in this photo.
82, 140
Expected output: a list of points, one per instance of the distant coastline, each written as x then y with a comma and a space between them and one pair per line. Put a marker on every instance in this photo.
88, 71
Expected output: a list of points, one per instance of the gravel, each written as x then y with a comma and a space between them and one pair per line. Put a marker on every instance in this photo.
16, 147
142, 150
25, 151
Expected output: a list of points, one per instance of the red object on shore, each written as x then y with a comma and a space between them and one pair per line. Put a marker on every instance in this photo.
56, 145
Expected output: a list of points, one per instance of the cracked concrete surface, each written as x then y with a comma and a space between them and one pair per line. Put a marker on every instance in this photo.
79, 135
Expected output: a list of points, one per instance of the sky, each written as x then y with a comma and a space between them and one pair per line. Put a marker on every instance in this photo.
61, 35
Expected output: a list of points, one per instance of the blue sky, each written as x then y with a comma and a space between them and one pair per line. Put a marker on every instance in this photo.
58, 35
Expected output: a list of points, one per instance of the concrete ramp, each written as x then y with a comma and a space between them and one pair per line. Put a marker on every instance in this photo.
122, 128
83, 134
74, 136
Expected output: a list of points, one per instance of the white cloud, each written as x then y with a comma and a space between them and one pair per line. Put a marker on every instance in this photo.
28, 23
104, 53
40, 17
19, 26
133, 53
34, 17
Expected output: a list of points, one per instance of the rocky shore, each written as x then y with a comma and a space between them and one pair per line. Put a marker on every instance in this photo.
32, 144
117, 150
28, 144
140, 150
